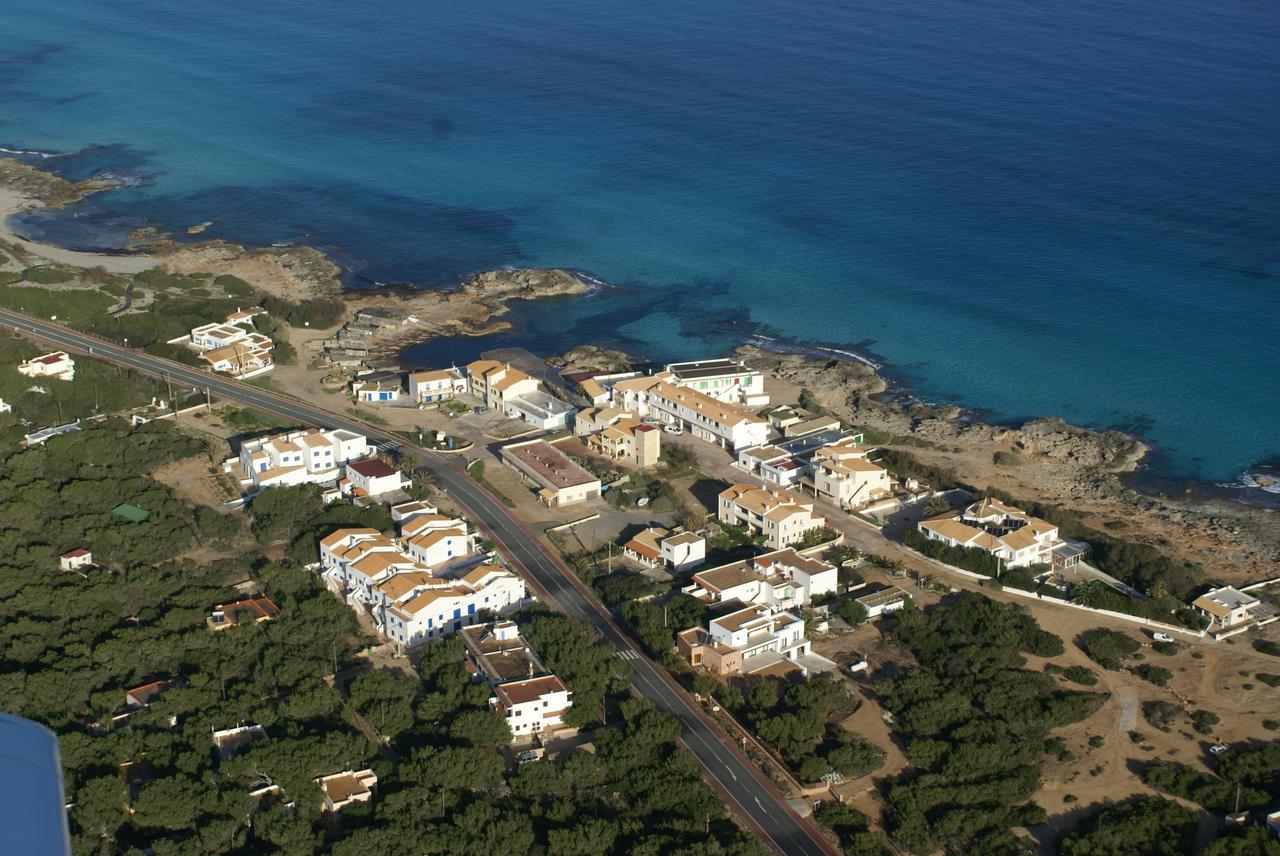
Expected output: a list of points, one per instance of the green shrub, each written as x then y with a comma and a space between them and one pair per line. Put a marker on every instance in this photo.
1154, 674
1203, 721
234, 286
1007, 459
1268, 679
1166, 648
1266, 646
1161, 714
47, 275
1108, 648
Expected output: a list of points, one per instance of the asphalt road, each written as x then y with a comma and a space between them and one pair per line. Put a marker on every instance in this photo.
739, 782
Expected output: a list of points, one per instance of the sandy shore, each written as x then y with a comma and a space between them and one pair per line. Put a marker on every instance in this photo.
12, 201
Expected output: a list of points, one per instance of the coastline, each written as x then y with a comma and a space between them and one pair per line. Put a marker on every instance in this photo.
1091, 470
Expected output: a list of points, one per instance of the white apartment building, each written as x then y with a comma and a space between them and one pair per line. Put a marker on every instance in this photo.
1009, 533
428, 386
417, 592
725, 424
531, 700
842, 474
57, 365
756, 640
783, 579
312, 456
722, 379
781, 516
619, 436
493, 382
533, 705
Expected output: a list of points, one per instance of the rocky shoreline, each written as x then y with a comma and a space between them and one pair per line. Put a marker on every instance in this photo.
1044, 460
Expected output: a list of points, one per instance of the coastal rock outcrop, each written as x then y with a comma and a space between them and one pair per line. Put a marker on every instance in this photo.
46, 188
589, 358
522, 284
835, 384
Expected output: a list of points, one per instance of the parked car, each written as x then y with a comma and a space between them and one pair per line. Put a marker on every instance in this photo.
649, 420
1218, 748
673, 429
479, 409
1162, 637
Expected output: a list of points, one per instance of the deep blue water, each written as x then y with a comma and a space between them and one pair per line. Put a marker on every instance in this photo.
1033, 208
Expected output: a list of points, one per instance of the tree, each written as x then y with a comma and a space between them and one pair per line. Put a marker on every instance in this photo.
1143, 826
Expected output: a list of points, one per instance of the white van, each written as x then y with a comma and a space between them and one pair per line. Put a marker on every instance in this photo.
1162, 637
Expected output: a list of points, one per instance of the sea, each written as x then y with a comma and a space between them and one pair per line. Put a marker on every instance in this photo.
1030, 209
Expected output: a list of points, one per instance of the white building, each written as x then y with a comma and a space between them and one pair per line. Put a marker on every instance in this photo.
74, 560
721, 379
532, 700
1008, 533
781, 516
842, 474
559, 480
493, 382
783, 579
1228, 607
232, 346
683, 551
431, 386
533, 705
539, 409
880, 599
373, 477
378, 388
723, 423
295, 457
619, 436
57, 365
347, 788
425, 585
756, 640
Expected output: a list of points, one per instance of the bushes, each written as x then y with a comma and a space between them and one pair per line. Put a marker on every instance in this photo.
1161, 714
47, 275
234, 286
1266, 646
1144, 826
852, 829
974, 721
793, 718
1153, 674
1108, 648
966, 558
1075, 674
1203, 721
905, 464
314, 312
1268, 679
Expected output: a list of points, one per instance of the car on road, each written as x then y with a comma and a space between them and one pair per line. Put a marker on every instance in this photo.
649, 420
1218, 748
673, 429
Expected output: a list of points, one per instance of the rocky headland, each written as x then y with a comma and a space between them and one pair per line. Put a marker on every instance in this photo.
1044, 460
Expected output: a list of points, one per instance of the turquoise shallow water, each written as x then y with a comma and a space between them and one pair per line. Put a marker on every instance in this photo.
1026, 208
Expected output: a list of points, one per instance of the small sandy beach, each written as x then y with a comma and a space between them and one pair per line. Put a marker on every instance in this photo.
12, 201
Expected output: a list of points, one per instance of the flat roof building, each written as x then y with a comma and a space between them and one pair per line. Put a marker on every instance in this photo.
560, 480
